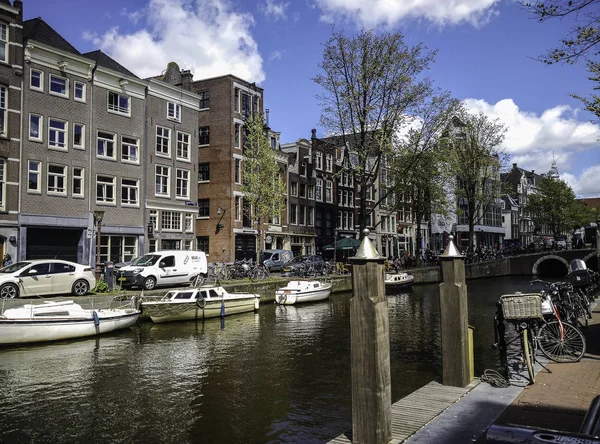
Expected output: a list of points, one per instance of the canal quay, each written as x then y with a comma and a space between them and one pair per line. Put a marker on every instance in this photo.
282, 374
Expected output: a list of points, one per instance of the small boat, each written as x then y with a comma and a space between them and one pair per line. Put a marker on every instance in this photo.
56, 320
199, 303
296, 292
398, 280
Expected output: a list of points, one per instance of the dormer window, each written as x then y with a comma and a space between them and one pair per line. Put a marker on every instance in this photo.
118, 103
59, 86
174, 111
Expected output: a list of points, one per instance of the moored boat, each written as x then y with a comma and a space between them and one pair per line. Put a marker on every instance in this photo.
398, 280
199, 303
296, 292
57, 320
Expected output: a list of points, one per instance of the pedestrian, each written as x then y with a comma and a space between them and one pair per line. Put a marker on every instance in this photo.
7, 260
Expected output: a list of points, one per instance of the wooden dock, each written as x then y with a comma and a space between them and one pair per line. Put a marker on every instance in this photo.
416, 410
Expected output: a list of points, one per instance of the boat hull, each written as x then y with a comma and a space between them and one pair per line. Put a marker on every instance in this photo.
396, 283
23, 331
167, 311
285, 296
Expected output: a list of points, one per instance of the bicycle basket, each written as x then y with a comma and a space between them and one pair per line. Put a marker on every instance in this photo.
521, 306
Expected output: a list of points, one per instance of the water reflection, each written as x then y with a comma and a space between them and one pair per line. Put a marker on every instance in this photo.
281, 375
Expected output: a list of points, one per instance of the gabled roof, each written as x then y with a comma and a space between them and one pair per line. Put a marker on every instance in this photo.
38, 29
107, 62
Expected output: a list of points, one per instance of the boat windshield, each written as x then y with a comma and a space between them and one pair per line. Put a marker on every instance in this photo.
147, 260
14, 267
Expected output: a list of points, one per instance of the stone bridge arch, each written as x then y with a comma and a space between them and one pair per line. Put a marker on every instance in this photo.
535, 269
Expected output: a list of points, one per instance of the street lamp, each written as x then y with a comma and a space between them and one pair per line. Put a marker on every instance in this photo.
598, 245
98, 216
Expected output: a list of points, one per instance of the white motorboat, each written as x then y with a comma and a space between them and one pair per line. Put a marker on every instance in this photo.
53, 321
296, 292
398, 280
199, 303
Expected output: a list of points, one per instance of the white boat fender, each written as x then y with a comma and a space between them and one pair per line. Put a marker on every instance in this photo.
256, 302
222, 308
96, 318
201, 302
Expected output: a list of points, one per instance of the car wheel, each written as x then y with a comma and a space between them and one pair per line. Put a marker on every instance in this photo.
149, 283
9, 291
80, 287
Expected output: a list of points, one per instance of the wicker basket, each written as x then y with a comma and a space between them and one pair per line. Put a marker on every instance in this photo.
521, 306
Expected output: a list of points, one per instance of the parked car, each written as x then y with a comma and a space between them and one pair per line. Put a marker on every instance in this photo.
296, 265
274, 259
44, 277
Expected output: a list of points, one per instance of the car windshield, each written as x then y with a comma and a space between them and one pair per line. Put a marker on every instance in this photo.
14, 267
297, 260
265, 256
146, 260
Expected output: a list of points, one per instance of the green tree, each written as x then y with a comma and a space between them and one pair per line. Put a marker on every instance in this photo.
555, 207
472, 150
372, 85
262, 184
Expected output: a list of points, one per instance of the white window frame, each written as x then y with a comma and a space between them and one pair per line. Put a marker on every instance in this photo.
106, 185
182, 184
159, 172
174, 111
3, 110
107, 144
318, 160
163, 134
118, 109
40, 129
188, 224
53, 141
237, 172
329, 163
54, 178
38, 173
132, 186
201, 131
294, 189
4, 39
83, 90
58, 78
78, 178
3, 176
170, 221
41, 78
127, 145
81, 145
184, 144
328, 191
319, 190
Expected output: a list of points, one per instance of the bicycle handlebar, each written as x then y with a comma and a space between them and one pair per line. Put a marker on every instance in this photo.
557, 285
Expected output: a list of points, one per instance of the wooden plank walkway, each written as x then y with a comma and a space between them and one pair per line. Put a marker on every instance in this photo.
414, 411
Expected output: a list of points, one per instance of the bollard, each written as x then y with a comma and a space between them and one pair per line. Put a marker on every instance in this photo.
109, 268
454, 318
370, 346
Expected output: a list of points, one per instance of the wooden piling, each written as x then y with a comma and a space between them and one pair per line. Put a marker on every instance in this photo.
454, 319
370, 347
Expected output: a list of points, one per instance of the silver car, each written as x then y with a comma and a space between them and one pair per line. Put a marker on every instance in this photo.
45, 277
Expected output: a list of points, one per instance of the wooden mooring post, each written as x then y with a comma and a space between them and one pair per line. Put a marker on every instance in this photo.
454, 317
370, 347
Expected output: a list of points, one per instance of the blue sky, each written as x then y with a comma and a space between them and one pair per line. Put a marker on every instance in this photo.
486, 57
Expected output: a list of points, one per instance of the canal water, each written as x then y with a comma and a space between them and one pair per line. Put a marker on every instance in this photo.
280, 375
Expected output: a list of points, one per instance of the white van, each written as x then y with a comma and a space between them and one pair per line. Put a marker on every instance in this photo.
163, 268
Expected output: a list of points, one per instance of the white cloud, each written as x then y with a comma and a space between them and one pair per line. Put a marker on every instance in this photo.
205, 36
275, 55
133, 16
275, 10
534, 141
385, 12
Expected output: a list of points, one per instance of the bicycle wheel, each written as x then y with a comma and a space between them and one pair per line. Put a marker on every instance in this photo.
528, 353
561, 345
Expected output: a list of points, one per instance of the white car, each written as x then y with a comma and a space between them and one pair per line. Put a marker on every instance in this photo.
44, 277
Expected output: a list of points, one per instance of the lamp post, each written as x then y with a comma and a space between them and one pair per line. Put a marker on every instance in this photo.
98, 216
598, 245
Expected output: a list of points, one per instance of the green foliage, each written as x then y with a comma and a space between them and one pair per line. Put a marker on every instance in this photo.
101, 286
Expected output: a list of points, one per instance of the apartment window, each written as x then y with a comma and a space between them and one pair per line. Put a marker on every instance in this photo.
3, 111
328, 191
183, 146
106, 145
203, 207
293, 188
57, 134
163, 141
170, 220
329, 162
202, 243
236, 100
310, 192
294, 214
118, 103
78, 135
33, 184
129, 192
203, 135
273, 143
302, 215
59, 86
174, 111
238, 171
36, 80
162, 181
130, 150
57, 178
79, 91
246, 104
311, 216
318, 160
188, 223
204, 172
319, 190
35, 127
204, 99
238, 208
3, 184
302, 191
77, 182
105, 189
236, 141
182, 187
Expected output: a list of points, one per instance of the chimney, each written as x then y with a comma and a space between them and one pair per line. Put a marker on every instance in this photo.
267, 117
532, 172
186, 79
514, 166
313, 133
